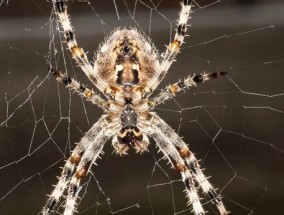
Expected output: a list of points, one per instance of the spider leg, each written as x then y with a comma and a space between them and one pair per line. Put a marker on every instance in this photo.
69, 167
88, 94
174, 157
170, 91
170, 137
192, 163
174, 47
88, 158
78, 54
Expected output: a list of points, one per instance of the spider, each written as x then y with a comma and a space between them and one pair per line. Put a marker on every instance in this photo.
127, 69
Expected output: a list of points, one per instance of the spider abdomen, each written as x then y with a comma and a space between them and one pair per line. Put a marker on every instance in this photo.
127, 58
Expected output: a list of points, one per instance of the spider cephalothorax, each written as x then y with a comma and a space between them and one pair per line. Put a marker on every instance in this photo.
127, 69
129, 135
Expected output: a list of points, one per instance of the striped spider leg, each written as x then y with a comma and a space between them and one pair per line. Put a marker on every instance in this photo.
174, 47
77, 52
184, 161
79, 163
88, 94
170, 91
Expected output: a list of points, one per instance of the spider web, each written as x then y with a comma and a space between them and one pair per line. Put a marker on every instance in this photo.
235, 125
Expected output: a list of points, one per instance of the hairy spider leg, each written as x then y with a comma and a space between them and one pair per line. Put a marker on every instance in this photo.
190, 162
78, 54
171, 153
74, 159
174, 157
88, 158
88, 94
170, 91
174, 47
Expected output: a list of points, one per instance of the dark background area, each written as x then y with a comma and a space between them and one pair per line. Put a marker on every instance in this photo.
235, 125
33, 8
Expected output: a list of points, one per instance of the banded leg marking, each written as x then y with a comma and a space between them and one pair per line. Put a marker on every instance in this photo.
177, 161
88, 94
68, 169
190, 162
56, 194
174, 47
207, 188
191, 192
171, 90
88, 158
78, 54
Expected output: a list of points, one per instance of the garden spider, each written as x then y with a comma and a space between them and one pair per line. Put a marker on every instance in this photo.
127, 70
